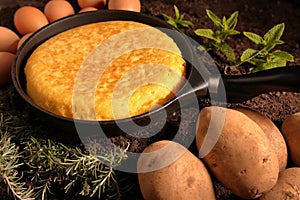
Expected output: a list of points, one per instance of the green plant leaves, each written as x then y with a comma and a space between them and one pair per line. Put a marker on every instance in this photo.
227, 51
261, 64
178, 21
232, 32
186, 23
257, 39
216, 38
262, 57
177, 13
271, 60
224, 25
215, 19
283, 55
248, 54
269, 40
274, 34
207, 33
170, 21
270, 46
232, 21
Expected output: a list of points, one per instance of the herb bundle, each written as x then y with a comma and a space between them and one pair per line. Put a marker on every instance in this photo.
33, 167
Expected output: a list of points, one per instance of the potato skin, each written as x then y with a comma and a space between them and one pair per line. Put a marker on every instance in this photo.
242, 159
291, 132
272, 132
287, 186
185, 178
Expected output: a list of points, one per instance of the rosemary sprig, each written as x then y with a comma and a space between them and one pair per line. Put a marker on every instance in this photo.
32, 166
51, 162
9, 165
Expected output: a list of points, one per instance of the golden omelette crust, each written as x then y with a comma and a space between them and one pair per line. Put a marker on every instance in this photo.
52, 69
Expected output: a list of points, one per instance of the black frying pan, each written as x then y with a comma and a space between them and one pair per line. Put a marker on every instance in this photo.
200, 83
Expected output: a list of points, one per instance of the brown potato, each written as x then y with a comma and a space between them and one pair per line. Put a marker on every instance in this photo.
272, 133
242, 158
172, 172
291, 132
287, 186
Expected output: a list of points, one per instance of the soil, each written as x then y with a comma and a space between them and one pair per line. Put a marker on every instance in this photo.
256, 16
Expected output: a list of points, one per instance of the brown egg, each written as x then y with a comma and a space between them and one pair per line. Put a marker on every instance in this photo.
55, 10
87, 9
28, 19
22, 40
99, 4
131, 5
8, 40
6, 59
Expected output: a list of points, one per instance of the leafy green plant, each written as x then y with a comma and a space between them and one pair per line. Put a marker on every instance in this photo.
178, 22
216, 38
262, 57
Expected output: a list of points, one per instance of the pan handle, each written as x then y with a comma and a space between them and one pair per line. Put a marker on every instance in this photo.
240, 88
